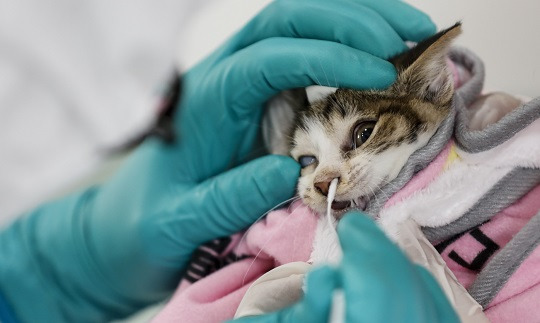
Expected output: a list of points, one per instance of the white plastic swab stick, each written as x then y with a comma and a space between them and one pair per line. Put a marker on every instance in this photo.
331, 194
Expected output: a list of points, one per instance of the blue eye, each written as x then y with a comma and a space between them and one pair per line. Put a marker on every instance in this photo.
306, 160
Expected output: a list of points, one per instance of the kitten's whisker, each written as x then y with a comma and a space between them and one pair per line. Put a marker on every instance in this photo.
372, 191
336, 86
386, 196
291, 200
299, 198
335, 78
389, 184
325, 76
394, 187
266, 242
311, 70
327, 80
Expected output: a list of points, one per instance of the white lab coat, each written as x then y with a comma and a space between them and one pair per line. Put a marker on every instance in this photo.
77, 78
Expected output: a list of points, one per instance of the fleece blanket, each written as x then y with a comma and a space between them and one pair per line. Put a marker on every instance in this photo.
474, 190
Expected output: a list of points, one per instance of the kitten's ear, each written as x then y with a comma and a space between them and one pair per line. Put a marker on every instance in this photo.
423, 70
279, 117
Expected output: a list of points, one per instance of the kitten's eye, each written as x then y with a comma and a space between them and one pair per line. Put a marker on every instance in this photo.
362, 132
306, 160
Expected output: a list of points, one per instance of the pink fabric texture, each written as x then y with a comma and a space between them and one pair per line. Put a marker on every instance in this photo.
283, 236
520, 295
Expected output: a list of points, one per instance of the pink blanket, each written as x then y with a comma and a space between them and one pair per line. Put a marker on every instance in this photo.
283, 236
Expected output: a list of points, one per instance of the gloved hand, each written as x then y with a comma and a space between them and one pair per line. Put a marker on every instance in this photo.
112, 249
379, 284
290, 44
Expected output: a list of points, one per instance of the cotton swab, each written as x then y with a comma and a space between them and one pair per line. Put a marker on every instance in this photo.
331, 194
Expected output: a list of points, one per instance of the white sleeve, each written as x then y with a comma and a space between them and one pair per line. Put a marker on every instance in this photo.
77, 78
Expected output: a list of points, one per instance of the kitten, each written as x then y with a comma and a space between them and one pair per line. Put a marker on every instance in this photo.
364, 138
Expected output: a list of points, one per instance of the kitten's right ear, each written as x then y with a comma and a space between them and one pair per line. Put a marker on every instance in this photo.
423, 71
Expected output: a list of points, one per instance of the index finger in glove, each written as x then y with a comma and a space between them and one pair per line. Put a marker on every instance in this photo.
378, 277
233, 200
445, 311
277, 64
376, 27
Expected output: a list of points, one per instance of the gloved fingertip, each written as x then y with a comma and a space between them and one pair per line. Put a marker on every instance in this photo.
317, 301
355, 220
357, 231
444, 310
381, 73
220, 202
424, 28
278, 176
319, 286
288, 168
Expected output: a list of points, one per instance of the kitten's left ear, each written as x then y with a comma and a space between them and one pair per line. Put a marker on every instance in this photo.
279, 117
423, 71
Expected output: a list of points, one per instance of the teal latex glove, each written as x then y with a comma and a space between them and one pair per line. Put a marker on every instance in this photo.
290, 44
379, 284
110, 250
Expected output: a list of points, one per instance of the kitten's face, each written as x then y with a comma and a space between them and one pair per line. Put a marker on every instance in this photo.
363, 138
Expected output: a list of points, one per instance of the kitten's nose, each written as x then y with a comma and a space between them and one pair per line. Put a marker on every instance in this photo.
323, 187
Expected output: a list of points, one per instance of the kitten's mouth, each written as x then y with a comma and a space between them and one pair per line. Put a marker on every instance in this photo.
338, 206
358, 203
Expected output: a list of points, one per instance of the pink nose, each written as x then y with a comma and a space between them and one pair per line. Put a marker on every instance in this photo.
322, 187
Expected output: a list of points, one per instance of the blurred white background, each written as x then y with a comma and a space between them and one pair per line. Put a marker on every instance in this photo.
503, 33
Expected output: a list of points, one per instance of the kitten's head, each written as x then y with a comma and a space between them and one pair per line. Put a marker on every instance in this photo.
364, 138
